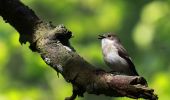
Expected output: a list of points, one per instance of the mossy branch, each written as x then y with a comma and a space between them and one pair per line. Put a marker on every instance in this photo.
52, 43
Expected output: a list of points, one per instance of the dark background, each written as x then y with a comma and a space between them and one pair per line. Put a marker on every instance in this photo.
142, 25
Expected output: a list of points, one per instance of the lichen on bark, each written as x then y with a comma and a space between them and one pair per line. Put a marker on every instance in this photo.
52, 43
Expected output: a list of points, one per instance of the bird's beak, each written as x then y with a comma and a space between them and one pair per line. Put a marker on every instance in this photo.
101, 37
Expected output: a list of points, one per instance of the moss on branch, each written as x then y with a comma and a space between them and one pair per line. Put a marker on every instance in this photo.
52, 43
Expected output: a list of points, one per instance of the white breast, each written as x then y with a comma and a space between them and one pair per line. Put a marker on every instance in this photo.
111, 56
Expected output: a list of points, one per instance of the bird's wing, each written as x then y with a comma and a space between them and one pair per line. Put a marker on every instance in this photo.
123, 53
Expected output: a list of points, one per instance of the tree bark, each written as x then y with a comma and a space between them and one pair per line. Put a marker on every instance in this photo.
52, 43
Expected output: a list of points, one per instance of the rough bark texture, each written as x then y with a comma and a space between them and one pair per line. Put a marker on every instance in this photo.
52, 43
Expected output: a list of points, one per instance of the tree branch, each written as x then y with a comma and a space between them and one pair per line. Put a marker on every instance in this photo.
52, 43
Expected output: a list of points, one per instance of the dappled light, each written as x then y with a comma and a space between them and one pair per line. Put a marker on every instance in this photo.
143, 27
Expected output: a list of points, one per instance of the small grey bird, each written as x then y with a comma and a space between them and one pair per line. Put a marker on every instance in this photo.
116, 56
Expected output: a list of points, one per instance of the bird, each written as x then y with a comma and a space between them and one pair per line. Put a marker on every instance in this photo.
116, 56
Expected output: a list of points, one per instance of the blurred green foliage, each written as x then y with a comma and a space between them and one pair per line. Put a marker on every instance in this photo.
142, 25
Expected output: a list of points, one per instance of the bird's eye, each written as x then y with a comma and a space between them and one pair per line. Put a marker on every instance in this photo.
109, 35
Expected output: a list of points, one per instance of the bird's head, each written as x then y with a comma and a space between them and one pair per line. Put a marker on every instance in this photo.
110, 36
